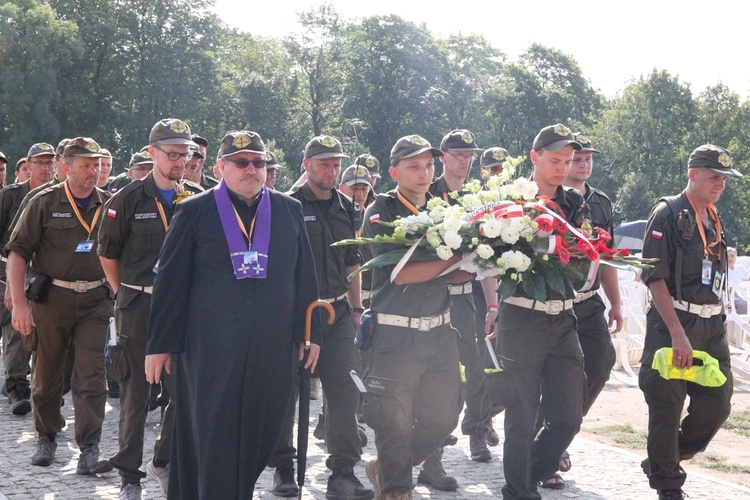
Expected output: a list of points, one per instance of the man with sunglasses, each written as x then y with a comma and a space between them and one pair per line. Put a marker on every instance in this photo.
687, 283
133, 228
16, 357
329, 217
236, 276
459, 152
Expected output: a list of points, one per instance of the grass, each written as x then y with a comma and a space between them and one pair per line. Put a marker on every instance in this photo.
623, 434
739, 422
719, 462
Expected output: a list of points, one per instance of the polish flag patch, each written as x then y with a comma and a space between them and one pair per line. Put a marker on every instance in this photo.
111, 213
656, 235
374, 218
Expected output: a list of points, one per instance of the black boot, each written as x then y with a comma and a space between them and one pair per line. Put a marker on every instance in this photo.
433, 474
344, 485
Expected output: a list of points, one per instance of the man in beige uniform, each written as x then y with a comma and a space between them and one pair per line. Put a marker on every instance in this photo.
70, 304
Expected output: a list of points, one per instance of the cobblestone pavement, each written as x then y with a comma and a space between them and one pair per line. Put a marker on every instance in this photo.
599, 471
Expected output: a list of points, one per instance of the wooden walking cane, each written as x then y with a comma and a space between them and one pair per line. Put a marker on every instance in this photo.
303, 423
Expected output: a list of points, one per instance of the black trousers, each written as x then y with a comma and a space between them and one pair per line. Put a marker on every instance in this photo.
542, 360
671, 440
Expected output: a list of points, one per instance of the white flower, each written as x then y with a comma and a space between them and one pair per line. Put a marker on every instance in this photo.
473, 186
485, 251
525, 188
435, 203
491, 228
513, 259
471, 201
423, 218
510, 235
452, 239
437, 214
433, 238
489, 195
452, 221
444, 252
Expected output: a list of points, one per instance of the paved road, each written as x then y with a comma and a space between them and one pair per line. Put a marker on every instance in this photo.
599, 472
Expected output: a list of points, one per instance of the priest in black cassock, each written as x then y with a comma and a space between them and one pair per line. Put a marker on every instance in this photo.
234, 279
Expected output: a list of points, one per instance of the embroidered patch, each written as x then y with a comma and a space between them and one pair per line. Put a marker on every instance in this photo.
144, 216
111, 213
310, 218
61, 215
374, 218
656, 235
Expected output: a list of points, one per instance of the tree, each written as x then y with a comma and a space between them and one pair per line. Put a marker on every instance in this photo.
34, 44
647, 129
569, 95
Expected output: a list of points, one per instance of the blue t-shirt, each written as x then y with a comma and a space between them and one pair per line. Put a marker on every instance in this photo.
168, 195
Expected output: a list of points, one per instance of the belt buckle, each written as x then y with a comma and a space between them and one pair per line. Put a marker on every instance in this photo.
707, 310
424, 324
80, 286
555, 307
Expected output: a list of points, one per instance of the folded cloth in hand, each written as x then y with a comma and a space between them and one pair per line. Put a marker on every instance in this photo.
707, 375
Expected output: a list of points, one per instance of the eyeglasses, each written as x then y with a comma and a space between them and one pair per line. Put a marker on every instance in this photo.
48, 164
246, 163
176, 156
471, 157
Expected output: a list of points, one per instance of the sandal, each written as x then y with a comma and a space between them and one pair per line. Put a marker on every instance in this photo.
565, 463
554, 482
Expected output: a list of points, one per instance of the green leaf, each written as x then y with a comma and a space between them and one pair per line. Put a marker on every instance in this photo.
556, 282
507, 287
393, 257
534, 285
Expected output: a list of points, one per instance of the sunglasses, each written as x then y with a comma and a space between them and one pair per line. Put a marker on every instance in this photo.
243, 164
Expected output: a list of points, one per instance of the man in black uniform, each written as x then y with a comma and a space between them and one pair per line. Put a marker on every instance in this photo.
271, 169
139, 167
130, 239
684, 232
16, 357
538, 346
330, 217
205, 181
459, 152
414, 356
56, 234
593, 329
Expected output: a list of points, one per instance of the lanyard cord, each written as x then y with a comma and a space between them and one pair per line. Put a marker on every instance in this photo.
406, 203
78, 212
160, 209
708, 248
249, 235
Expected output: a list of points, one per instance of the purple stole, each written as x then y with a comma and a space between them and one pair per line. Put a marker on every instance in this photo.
246, 262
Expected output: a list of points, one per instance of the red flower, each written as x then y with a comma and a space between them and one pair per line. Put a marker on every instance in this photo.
563, 255
602, 234
545, 222
586, 249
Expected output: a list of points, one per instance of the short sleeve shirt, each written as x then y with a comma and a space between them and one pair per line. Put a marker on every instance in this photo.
49, 232
326, 226
415, 300
133, 228
660, 242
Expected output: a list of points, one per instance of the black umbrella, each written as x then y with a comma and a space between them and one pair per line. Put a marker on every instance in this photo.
630, 235
303, 423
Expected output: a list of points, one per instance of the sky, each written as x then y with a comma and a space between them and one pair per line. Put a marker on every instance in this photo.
614, 43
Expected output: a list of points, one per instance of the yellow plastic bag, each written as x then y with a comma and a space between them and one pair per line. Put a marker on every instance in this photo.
708, 375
